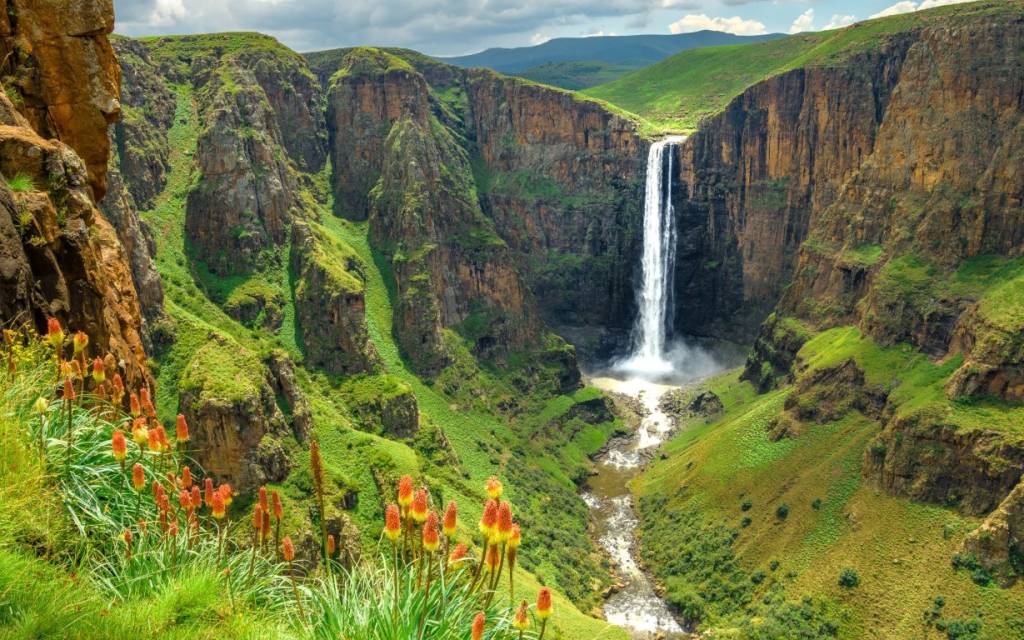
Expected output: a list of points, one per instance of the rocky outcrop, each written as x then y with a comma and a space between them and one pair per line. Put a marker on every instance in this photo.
329, 303
286, 386
998, 544
921, 457
383, 404
829, 393
237, 429
58, 61
771, 358
58, 255
991, 338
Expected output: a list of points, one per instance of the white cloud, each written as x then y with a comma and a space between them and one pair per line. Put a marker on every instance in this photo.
838, 21
906, 6
803, 22
735, 24
539, 38
166, 12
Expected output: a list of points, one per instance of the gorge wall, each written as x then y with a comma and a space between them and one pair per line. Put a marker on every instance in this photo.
60, 257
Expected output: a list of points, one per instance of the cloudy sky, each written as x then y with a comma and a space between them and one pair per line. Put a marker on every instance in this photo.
452, 27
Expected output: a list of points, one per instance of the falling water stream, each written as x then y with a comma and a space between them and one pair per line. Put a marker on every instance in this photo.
644, 375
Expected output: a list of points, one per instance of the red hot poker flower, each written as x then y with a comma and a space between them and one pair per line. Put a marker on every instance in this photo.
521, 621
331, 545
405, 491
263, 500
504, 522
119, 445
69, 390
275, 501
54, 334
218, 511
181, 429
287, 549
419, 506
134, 406
392, 522
489, 520
208, 491
80, 342
494, 487
99, 374
458, 554
147, 402
118, 385
226, 493
544, 603
138, 477
185, 499
430, 538
257, 518
186, 477
451, 519
477, 632
196, 498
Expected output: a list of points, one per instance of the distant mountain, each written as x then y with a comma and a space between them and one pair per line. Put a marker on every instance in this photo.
577, 63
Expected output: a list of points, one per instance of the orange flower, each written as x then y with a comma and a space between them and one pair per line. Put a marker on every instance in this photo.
458, 554
257, 518
226, 493
419, 506
54, 334
118, 389
451, 519
392, 522
330, 545
275, 501
265, 531
516, 538
138, 477
69, 390
66, 370
263, 500
208, 492
489, 520
119, 445
147, 402
218, 509
173, 529
80, 342
405, 492
287, 549
197, 497
154, 440
133, 403
184, 499
99, 374
181, 429
494, 488
521, 621
430, 538
544, 603
504, 522
139, 432
127, 537
478, 626
186, 477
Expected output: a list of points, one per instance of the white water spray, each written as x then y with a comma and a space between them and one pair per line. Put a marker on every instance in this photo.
659, 257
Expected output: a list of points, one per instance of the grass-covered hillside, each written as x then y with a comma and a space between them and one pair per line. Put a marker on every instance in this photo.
110, 530
678, 92
768, 521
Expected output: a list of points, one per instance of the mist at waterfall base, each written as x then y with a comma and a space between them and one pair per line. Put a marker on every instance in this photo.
684, 361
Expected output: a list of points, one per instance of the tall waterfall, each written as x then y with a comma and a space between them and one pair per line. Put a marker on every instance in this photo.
659, 257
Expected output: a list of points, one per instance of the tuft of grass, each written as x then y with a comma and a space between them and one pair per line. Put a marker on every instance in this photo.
21, 183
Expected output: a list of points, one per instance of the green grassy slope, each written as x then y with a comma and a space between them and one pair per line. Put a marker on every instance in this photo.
742, 529
676, 93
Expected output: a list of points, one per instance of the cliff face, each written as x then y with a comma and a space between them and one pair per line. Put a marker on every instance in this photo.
60, 256
500, 202
884, 192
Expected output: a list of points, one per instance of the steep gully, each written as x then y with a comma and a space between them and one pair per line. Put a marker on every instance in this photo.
646, 374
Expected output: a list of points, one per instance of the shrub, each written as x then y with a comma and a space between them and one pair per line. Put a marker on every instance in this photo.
816, 505
745, 522
848, 578
21, 183
746, 506
782, 512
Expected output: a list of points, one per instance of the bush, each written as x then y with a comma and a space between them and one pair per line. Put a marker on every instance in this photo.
746, 506
848, 578
816, 505
782, 512
745, 522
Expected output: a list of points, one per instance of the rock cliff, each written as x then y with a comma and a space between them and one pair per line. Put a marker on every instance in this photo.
60, 256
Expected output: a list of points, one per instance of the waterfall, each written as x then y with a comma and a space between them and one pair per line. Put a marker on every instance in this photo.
658, 264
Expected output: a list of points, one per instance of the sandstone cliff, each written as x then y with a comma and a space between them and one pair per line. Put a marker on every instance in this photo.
60, 256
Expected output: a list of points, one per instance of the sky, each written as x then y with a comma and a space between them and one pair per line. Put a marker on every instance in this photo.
456, 27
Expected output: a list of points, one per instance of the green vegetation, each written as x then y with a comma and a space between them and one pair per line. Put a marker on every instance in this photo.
21, 183
678, 92
575, 75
